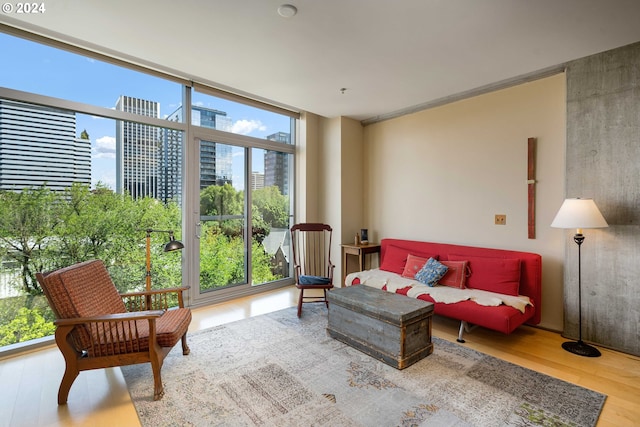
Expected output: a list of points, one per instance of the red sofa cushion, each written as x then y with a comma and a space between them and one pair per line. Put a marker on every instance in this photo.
395, 258
456, 274
413, 265
499, 275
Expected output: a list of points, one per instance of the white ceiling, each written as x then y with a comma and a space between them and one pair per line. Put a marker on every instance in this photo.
390, 55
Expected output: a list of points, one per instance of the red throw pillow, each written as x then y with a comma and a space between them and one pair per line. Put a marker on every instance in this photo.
456, 274
413, 265
395, 258
499, 275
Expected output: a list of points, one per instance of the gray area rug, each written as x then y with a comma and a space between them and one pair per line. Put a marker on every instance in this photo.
278, 370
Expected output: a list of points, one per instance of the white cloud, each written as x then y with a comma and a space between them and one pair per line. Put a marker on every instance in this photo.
245, 127
107, 178
105, 147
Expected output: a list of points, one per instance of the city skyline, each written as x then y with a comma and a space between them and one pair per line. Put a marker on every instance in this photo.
53, 72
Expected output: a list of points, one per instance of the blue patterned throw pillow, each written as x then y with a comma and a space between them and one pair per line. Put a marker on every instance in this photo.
431, 272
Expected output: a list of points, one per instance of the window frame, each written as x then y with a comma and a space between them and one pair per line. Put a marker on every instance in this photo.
190, 133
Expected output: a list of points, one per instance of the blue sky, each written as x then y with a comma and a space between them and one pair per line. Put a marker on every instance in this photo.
47, 71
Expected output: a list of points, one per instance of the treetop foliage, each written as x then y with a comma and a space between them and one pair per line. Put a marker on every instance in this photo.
43, 230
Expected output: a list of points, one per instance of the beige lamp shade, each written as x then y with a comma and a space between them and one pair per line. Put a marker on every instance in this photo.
579, 213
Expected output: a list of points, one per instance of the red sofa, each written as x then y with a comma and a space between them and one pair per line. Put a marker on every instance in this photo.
502, 318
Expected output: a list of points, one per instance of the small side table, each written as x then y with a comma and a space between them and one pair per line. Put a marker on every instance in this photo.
361, 251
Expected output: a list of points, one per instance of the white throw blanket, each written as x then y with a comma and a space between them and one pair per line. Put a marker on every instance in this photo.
377, 278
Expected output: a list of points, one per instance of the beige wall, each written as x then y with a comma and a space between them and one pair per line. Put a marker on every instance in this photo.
442, 174
306, 169
329, 160
340, 192
352, 197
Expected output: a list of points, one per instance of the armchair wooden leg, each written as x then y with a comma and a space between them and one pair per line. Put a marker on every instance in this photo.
185, 347
300, 302
70, 374
158, 389
70, 356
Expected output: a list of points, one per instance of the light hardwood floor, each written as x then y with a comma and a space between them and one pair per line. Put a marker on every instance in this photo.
29, 382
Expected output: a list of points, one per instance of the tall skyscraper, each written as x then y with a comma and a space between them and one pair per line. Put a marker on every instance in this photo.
138, 150
38, 146
257, 180
276, 164
216, 163
170, 186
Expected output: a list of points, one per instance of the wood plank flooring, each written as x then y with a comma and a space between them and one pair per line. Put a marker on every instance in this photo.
29, 382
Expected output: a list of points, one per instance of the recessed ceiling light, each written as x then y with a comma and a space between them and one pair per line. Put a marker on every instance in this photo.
287, 10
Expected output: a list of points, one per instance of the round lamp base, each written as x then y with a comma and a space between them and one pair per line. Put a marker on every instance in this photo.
581, 349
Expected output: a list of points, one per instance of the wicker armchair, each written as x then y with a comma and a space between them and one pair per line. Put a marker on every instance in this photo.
98, 328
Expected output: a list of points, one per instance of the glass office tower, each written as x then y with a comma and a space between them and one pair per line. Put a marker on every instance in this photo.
38, 146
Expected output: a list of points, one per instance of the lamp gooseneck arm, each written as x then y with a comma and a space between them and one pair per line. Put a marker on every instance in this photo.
172, 245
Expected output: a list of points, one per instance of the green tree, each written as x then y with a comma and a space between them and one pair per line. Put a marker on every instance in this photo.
261, 264
166, 269
221, 258
93, 225
41, 230
27, 325
259, 227
18, 313
27, 219
221, 200
272, 205
222, 261
224, 200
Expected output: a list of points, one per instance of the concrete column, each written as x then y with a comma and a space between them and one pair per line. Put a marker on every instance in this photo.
603, 162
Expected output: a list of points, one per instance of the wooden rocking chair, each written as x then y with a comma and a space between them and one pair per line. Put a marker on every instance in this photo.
98, 328
313, 269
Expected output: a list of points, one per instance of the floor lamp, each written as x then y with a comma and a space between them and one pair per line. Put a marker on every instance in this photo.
579, 214
172, 245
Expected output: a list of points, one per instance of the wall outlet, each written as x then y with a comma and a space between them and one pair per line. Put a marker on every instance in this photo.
501, 219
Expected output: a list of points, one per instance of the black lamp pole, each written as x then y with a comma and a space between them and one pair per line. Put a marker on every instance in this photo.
578, 214
579, 347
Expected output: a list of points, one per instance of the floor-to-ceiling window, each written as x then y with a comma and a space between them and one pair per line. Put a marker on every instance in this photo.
243, 195
93, 154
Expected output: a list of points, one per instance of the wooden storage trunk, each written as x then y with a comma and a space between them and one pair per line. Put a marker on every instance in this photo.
392, 328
